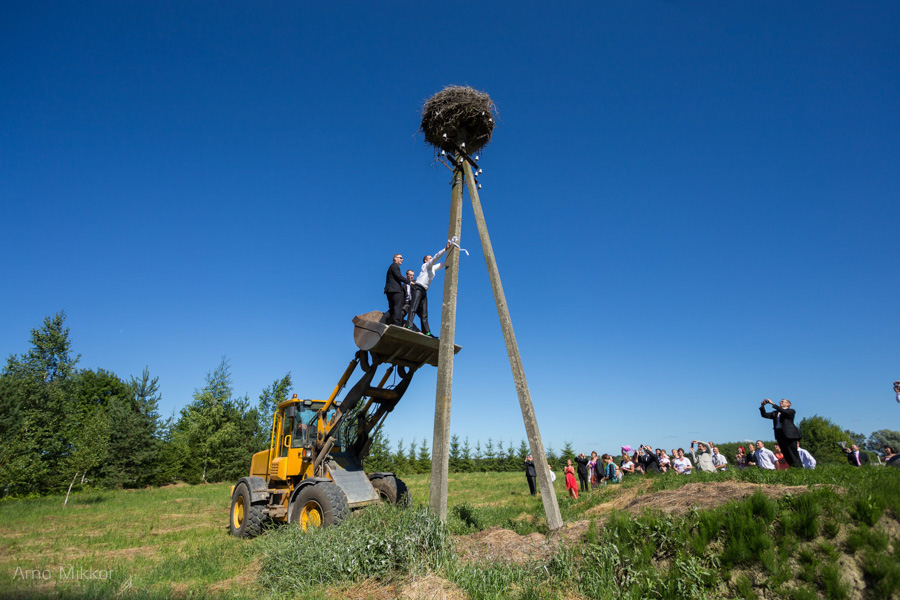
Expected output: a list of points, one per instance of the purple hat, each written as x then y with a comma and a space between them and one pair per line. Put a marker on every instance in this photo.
627, 449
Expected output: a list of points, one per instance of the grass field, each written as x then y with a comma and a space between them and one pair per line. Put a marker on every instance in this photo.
835, 534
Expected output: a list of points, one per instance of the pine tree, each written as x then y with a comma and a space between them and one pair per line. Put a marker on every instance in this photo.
467, 465
568, 453
379, 459
488, 462
400, 462
455, 457
423, 459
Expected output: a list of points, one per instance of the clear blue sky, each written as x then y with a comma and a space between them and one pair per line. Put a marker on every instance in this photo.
694, 205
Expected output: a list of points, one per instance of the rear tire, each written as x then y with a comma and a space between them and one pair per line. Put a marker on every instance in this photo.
246, 519
393, 490
319, 505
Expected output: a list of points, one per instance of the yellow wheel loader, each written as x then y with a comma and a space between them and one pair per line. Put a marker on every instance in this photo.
312, 473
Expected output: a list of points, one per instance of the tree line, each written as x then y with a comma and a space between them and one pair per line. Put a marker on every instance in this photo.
63, 427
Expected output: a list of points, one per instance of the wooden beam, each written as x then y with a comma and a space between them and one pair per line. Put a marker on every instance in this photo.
440, 441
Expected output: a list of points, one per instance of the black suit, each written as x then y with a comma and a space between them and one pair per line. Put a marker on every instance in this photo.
863, 458
583, 471
787, 435
394, 290
531, 475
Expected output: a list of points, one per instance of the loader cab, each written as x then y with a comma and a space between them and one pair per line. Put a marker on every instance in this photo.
297, 426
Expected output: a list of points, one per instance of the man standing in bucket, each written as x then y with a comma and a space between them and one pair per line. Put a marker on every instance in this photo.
419, 303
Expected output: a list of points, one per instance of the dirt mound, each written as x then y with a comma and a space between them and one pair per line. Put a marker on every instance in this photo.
426, 587
496, 544
704, 496
431, 587
502, 545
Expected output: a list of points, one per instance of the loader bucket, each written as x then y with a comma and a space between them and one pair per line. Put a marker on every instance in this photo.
393, 344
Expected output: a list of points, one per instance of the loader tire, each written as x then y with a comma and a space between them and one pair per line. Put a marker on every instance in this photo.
393, 490
319, 505
246, 519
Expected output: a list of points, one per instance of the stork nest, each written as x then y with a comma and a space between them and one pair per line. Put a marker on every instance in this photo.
458, 114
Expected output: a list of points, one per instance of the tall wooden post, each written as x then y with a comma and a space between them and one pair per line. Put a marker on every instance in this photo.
440, 452
548, 494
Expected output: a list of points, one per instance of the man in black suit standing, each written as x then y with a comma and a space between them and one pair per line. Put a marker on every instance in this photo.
582, 461
407, 292
786, 433
531, 474
393, 289
855, 457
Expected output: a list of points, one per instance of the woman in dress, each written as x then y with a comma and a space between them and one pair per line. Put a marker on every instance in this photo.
592, 470
782, 463
571, 482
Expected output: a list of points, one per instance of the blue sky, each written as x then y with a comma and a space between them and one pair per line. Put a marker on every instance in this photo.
693, 205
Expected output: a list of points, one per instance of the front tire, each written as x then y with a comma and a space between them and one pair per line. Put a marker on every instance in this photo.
246, 519
318, 505
393, 490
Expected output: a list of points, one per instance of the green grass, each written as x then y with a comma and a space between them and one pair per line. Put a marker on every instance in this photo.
160, 543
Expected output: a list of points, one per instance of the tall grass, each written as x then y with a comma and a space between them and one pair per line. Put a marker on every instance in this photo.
375, 542
173, 542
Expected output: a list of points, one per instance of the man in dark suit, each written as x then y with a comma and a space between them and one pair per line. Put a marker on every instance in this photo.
855, 457
393, 289
531, 474
407, 292
582, 461
786, 433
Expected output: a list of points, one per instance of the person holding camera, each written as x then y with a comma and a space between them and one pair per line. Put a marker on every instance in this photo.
704, 462
897, 390
855, 457
786, 433
582, 462
531, 474
648, 459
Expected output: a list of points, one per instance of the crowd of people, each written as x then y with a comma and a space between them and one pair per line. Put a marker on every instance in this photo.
591, 472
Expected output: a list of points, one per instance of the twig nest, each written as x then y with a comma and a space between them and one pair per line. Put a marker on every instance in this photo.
458, 113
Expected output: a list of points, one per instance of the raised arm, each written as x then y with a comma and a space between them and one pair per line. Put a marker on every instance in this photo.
439, 254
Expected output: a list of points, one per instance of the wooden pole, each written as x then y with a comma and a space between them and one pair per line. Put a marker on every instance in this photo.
440, 444
548, 494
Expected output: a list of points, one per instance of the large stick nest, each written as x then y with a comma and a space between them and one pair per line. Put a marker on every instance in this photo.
458, 114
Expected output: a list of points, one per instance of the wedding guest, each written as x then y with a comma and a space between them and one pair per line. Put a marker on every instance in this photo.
571, 484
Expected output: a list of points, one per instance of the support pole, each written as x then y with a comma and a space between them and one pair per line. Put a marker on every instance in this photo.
440, 444
548, 494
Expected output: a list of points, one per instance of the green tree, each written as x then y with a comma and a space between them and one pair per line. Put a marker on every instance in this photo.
821, 438
100, 396
568, 453
90, 445
216, 433
379, 459
523, 451
423, 457
488, 463
881, 438
467, 465
269, 399
455, 457
36, 390
148, 443
401, 464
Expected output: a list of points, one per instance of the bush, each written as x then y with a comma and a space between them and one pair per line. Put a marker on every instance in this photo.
374, 542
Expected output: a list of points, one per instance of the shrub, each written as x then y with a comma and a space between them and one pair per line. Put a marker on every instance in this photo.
374, 542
